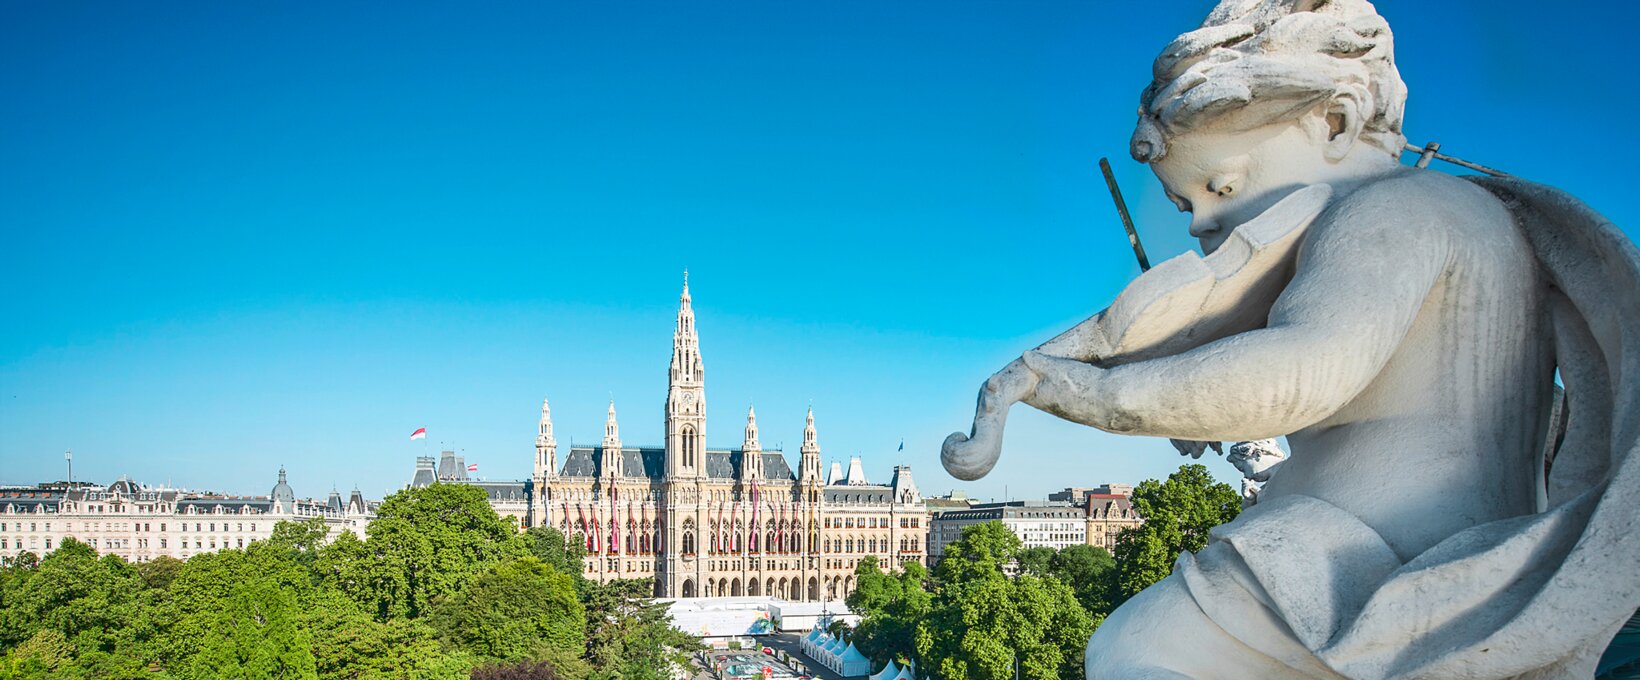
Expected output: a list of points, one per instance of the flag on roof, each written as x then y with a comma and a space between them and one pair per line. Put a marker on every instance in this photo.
472, 467
420, 433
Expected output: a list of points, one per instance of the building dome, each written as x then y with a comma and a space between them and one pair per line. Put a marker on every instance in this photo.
124, 486
282, 491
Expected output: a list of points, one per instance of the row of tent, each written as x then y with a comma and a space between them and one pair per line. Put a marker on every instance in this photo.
846, 660
894, 671
843, 658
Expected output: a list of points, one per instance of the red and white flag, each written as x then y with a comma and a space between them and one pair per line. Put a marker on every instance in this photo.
471, 467
420, 433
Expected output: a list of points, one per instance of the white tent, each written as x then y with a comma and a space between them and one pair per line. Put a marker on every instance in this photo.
889, 672
852, 663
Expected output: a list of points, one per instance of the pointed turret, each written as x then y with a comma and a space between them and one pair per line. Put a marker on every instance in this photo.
751, 466
686, 397
546, 447
686, 363
856, 473
611, 463
810, 450
546, 470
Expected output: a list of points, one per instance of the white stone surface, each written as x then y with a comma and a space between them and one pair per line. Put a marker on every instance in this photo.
1403, 329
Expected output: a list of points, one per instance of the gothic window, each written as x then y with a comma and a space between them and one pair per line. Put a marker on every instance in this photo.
688, 536
688, 437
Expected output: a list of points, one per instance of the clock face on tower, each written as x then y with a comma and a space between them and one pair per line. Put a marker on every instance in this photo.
688, 397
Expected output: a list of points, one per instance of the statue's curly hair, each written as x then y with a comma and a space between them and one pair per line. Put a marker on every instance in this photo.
1258, 62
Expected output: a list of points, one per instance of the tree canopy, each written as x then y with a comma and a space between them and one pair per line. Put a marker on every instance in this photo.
992, 607
439, 586
1178, 514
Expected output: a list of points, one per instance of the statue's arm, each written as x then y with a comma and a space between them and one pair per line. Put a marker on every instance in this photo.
1362, 277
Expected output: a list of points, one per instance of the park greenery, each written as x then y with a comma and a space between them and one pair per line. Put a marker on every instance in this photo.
992, 608
440, 587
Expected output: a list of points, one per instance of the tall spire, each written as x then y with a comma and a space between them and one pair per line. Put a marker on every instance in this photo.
751, 466
611, 464
546, 447
810, 466
545, 437
686, 397
686, 363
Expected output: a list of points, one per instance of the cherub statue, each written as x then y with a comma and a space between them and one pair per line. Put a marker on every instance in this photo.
1403, 328
1257, 461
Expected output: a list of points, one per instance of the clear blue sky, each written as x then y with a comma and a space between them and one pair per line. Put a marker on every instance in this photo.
240, 235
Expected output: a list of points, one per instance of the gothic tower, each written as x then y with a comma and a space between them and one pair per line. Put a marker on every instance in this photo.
546, 470
609, 467
811, 451
751, 466
686, 398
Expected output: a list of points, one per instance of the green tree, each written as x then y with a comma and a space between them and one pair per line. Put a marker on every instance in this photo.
982, 624
349, 643
254, 632
629, 635
304, 535
160, 571
1034, 560
93, 602
982, 551
1086, 569
889, 605
1178, 514
45, 654
551, 546
519, 609
426, 542
983, 628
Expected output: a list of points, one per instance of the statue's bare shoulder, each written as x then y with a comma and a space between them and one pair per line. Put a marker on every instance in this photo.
1416, 213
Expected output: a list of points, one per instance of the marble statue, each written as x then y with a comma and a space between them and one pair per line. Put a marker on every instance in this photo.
1257, 461
1405, 330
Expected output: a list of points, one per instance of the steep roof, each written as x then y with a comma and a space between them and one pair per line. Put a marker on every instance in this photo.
640, 462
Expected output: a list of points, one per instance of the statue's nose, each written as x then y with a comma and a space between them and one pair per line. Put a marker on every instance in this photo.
1203, 226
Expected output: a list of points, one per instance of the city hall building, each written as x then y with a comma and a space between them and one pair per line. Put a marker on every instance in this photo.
705, 521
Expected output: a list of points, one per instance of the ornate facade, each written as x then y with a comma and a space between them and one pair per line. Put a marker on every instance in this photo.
140, 523
707, 521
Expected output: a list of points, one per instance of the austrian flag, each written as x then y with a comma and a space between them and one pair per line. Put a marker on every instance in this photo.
420, 433
472, 467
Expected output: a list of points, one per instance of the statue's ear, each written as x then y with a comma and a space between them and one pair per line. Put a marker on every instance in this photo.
1344, 123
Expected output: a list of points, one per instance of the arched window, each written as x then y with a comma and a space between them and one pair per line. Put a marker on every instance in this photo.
769, 542
688, 537
688, 437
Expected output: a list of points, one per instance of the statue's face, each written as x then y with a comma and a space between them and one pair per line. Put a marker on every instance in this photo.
1225, 179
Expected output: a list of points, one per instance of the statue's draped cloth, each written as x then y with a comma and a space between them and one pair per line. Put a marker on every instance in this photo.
1313, 588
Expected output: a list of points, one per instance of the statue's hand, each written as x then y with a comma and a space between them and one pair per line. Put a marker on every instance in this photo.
970, 456
1196, 449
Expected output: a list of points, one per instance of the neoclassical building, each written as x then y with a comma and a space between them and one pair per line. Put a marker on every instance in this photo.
706, 521
139, 522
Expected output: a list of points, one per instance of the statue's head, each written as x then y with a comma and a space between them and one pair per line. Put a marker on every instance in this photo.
1265, 97
1255, 458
